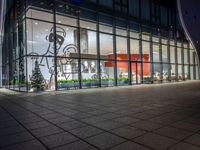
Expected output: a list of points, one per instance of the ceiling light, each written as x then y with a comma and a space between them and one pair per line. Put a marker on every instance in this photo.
36, 23
59, 21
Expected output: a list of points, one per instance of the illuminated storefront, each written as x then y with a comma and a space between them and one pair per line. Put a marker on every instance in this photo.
83, 44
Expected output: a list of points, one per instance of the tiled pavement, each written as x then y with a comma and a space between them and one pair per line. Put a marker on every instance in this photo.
146, 117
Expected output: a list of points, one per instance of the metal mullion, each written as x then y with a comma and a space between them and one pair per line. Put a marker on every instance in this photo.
151, 58
98, 52
160, 57
55, 45
176, 60
129, 56
141, 54
79, 51
115, 55
169, 59
182, 60
188, 52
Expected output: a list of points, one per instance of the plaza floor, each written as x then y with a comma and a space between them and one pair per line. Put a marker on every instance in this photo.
142, 117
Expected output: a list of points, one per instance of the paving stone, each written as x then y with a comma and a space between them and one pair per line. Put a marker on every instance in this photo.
71, 125
86, 131
155, 141
59, 139
108, 125
40, 132
128, 132
184, 146
15, 138
11, 130
37, 125
76, 146
194, 139
30, 145
173, 133
129, 146
146, 125
105, 140
186, 126
93, 120
126, 120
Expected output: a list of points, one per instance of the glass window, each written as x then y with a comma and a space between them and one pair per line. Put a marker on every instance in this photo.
134, 35
192, 72
87, 25
191, 57
106, 29
197, 72
156, 70
106, 3
164, 54
107, 73
89, 73
172, 54
44, 68
173, 72
179, 54
66, 20
122, 73
106, 46
156, 52
145, 9
67, 44
164, 41
146, 72
164, 19
146, 51
121, 51
185, 56
67, 76
42, 15
136, 72
134, 8
165, 72
145, 37
40, 37
180, 72
121, 32
135, 52
88, 42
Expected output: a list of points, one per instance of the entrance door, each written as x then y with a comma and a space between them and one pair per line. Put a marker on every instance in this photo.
135, 72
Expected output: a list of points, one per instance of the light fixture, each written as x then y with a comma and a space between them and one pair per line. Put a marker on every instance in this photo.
59, 21
46, 30
36, 23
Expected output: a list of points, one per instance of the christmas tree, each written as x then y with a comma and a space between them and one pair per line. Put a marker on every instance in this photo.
37, 79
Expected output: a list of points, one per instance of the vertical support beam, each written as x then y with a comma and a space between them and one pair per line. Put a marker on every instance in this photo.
194, 66
188, 52
98, 52
160, 57
176, 61
79, 50
55, 45
141, 54
129, 55
182, 60
114, 51
169, 59
151, 58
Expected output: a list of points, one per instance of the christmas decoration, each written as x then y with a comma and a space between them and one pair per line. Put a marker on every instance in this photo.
37, 79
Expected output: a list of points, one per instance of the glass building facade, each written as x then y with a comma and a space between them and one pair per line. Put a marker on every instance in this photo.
77, 44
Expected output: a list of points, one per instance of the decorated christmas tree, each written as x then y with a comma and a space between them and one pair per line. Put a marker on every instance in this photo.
37, 79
